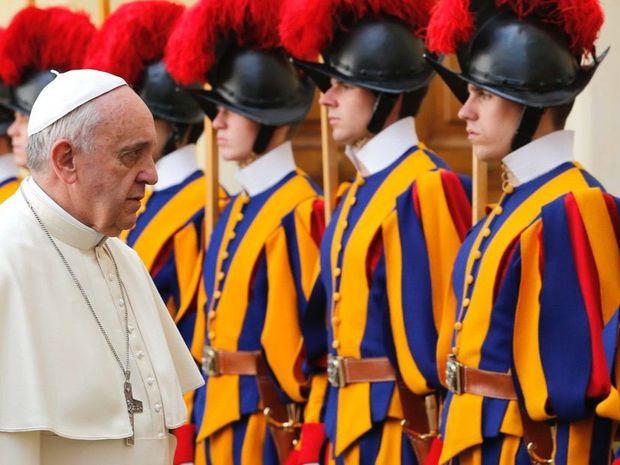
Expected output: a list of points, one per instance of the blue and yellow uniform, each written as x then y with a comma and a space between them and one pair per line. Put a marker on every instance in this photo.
168, 234
536, 297
384, 260
260, 267
9, 182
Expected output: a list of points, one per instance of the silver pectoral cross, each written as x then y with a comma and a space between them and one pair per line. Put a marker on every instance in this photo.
133, 406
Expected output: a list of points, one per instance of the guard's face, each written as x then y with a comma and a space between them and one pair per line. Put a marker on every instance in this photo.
235, 135
492, 122
18, 132
111, 180
349, 110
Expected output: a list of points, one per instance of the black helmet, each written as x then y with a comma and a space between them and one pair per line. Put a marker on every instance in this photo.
524, 59
244, 64
52, 39
131, 44
374, 46
166, 99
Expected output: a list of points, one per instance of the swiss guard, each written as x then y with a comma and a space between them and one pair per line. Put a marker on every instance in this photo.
528, 346
388, 250
37, 42
260, 264
168, 234
9, 180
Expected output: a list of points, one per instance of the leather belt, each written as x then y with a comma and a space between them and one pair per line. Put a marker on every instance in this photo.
221, 362
463, 379
346, 370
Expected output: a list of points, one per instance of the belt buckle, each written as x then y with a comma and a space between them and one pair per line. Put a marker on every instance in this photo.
335, 371
454, 375
210, 363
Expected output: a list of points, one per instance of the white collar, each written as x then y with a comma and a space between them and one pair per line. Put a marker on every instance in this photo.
384, 148
267, 170
8, 169
58, 221
174, 168
539, 157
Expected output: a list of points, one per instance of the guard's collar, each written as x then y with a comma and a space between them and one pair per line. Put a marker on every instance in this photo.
384, 148
8, 169
267, 170
539, 157
59, 222
174, 168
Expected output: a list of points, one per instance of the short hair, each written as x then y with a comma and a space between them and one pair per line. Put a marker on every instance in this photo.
77, 127
560, 114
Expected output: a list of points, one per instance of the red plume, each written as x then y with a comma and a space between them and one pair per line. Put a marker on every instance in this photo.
452, 22
133, 37
43, 39
307, 26
191, 50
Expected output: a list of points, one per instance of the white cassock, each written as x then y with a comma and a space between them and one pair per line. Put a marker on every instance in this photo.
61, 390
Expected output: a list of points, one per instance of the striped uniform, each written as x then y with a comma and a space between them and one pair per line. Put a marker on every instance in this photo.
384, 261
9, 181
537, 294
260, 267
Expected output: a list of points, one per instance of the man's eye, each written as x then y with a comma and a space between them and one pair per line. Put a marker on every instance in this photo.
130, 158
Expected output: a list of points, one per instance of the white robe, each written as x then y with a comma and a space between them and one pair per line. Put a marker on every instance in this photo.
61, 390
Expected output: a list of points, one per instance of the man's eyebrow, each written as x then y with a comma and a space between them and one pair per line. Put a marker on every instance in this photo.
134, 147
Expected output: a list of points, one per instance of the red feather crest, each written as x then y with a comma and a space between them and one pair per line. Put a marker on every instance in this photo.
452, 22
191, 50
43, 39
133, 37
307, 26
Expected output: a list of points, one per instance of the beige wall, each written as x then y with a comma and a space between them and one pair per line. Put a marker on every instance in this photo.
595, 116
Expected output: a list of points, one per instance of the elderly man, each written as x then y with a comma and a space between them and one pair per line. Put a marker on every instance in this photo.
93, 368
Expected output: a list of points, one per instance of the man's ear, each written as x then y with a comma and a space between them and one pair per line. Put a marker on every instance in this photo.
62, 158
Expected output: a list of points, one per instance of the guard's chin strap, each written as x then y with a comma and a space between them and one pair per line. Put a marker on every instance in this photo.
383, 106
265, 133
530, 120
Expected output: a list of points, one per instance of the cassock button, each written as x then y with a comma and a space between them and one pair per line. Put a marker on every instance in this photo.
455, 350
217, 295
130, 329
335, 321
212, 314
466, 303
470, 279
337, 272
336, 344
232, 235
477, 255
499, 210
353, 200
220, 275
211, 335
508, 188
336, 296
157, 407
244, 199
458, 326
150, 380
140, 354
239, 216
121, 302
161, 436
345, 225
225, 255
110, 277
486, 232
338, 247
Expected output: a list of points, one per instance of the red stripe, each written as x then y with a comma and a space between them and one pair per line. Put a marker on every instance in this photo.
599, 384
458, 202
317, 221
374, 254
612, 208
185, 444
503, 267
162, 258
